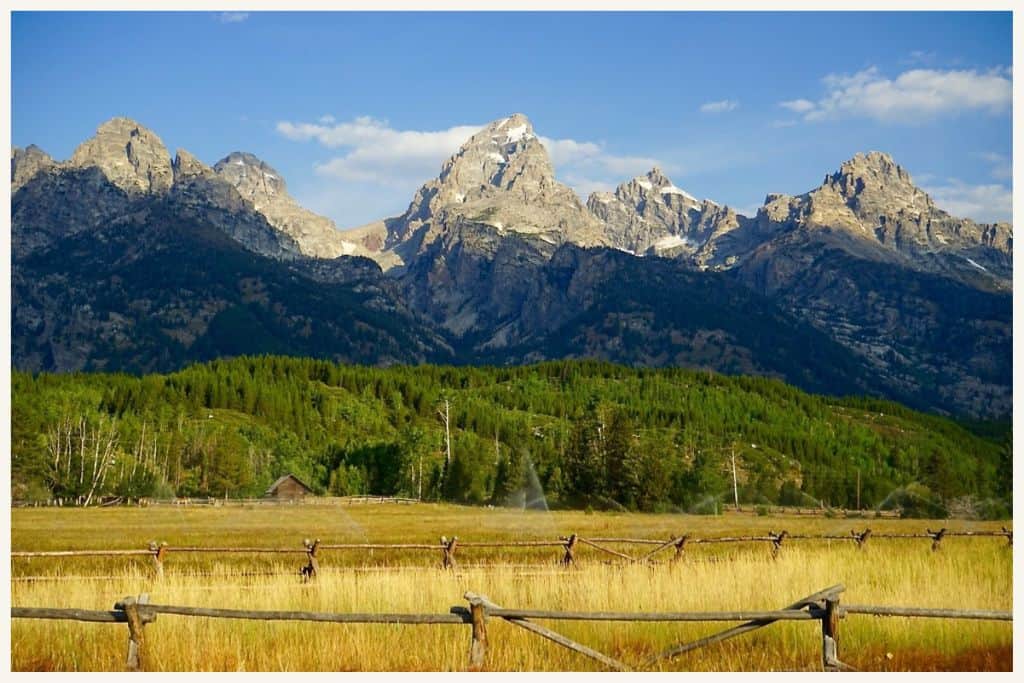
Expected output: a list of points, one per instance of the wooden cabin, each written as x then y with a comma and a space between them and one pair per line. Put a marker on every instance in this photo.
288, 487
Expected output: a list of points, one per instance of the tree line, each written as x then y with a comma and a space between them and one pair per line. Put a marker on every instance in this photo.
564, 433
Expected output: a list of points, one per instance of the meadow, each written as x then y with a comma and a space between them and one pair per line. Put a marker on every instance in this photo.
965, 573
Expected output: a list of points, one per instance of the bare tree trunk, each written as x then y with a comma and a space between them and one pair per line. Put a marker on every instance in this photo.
81, 453
109, 446
445, 418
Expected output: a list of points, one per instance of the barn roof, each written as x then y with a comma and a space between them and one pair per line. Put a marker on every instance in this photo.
281, 480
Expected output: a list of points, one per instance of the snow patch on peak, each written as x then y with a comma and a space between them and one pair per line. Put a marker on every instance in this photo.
644, 183
494, 156
672, 189
516, 134
977, 265
670, 242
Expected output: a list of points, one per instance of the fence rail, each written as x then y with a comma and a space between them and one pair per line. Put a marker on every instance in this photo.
823, 606
569, 545
752, 510
216, 502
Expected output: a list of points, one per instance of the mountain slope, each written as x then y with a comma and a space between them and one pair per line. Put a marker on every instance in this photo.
157, 294
861, 285
123, 262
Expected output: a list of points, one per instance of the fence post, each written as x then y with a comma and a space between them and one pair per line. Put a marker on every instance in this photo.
829, 639
570, 547
777, 539
311, 569
478, 645
448, 552
680, 547
136, 640
159, 553
1009, 536
861, 538
937, 537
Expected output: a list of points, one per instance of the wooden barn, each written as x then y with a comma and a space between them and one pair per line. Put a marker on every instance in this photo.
288, 487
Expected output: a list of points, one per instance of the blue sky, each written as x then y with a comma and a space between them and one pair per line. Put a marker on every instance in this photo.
356, 110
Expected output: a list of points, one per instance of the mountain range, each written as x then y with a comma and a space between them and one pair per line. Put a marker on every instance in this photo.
124, 258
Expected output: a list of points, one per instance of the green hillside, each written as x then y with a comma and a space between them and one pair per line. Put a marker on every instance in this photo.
569, 433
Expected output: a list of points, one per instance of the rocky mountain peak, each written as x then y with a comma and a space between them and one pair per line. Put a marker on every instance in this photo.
873, 200
649, 214
255, 179
656, 186
187, 166
26, 163
131, 156
874, 173
501, 177
261, 186
505, 154
656, 177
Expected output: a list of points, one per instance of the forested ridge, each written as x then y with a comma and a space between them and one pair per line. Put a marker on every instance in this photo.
578, 433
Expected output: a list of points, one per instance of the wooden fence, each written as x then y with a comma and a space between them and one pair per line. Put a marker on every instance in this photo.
823, 606
216, 502
568, 546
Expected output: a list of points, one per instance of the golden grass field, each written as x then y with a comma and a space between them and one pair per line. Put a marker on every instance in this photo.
973, 573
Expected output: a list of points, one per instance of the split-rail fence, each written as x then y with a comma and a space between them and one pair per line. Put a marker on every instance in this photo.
823, 606
568, 546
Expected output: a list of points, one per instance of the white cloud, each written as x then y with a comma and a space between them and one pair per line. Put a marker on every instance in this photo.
1000, 165
799, 106
233, 17
569, 151
919, 57
719, 107
394, 163
912, 96
377, 153
982, 203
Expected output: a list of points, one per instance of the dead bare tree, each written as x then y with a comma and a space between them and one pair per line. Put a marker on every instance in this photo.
105, 438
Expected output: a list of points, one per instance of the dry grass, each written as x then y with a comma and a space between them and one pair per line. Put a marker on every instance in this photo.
966, 573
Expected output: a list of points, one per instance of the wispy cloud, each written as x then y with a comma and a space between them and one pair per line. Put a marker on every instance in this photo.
919, 57
798, 106
915, 95
719, 107
1001, 168
398, 161
377, 153
233, 17
982, 203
